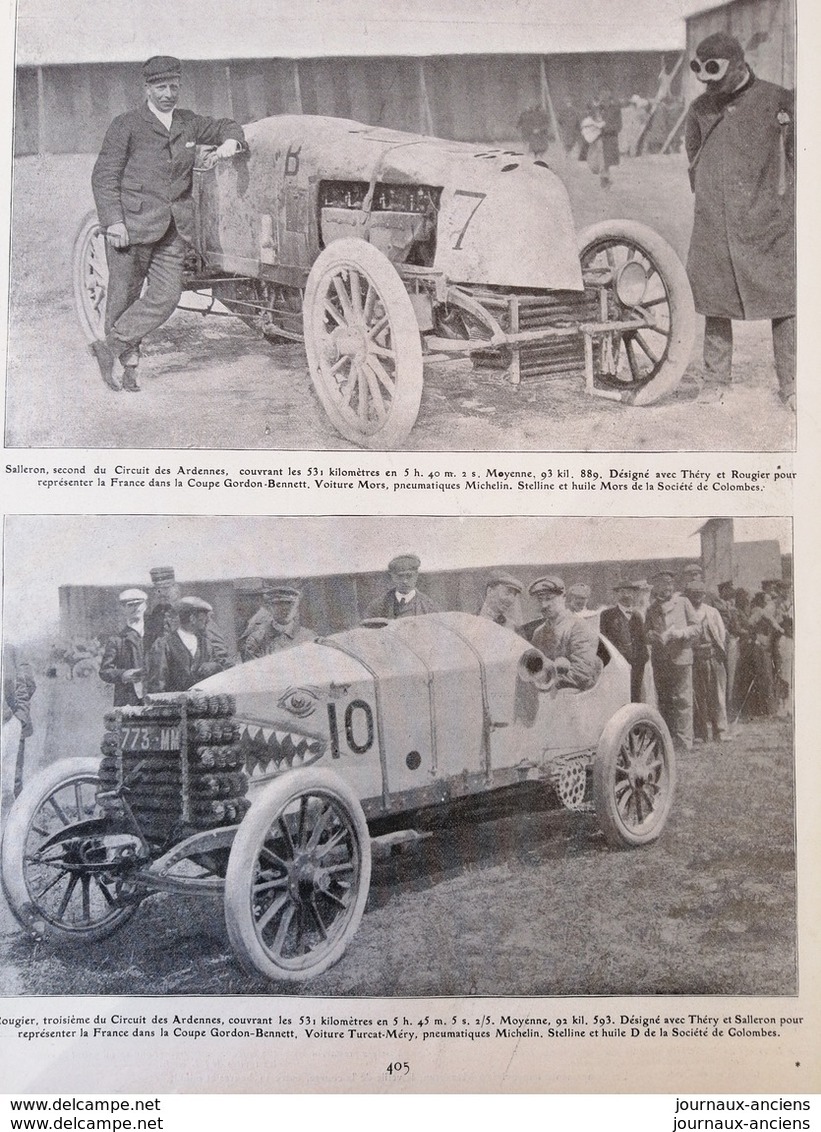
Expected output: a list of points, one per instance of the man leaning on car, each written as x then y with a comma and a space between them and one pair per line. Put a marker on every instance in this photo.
142, 189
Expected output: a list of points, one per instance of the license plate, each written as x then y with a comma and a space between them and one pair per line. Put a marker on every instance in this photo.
151, 738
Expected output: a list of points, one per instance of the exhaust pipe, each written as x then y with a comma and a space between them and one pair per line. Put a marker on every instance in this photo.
537, 669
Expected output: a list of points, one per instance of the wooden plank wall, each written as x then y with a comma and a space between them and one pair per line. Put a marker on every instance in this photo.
66, 109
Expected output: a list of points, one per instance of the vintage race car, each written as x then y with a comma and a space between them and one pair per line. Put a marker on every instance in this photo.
384, 731
384, 249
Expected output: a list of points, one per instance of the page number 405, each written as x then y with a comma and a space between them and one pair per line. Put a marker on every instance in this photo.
398, 1069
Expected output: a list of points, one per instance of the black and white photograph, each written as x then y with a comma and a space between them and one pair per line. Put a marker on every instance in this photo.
412, 756
457, 225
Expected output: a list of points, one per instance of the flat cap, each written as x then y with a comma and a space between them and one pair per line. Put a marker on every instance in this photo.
161, 67
133, 595
692, 568
549, 584
580, 588
162, 574
720, 45
626, 584
663, 574
281, 593
194, 604
500, 578
404, 562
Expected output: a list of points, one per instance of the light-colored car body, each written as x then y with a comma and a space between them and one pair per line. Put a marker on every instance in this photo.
416, 711
501, 217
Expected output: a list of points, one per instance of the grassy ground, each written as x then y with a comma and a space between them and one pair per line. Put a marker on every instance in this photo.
534, 904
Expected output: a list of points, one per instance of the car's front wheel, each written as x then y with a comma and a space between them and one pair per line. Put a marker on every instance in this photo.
634, 776
363, 344
298, 876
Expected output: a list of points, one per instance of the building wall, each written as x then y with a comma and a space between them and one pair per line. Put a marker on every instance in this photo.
67, 108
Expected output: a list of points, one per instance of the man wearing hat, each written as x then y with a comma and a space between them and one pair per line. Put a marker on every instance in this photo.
577, 597
624, 628
672, 629
142, 188
564, 637
403, 599
183, 656
501, 604
275, 626
123, 655
709, 667
739, 139
162, 615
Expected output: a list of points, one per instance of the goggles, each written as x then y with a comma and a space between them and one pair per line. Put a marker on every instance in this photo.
709, 70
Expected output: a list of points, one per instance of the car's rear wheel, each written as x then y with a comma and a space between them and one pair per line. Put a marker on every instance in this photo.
643, 278
363, 344
54, 831
298, 876
90, 277
634, 776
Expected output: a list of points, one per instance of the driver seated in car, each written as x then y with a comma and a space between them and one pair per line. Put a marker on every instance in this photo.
564, 637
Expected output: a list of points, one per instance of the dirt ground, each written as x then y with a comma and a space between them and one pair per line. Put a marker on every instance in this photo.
532, 904
211, 383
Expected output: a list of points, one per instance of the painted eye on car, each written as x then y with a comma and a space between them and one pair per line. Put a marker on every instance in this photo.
300, 702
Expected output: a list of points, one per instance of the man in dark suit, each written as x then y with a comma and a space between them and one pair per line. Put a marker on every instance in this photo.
624, 628
403, 599
183, 656
122, 662
142, 188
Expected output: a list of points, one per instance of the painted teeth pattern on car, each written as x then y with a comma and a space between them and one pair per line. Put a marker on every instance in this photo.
268, 751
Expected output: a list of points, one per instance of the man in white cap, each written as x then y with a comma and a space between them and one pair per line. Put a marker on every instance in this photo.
564, 637
183, 656
403, 599
501, 603
123, 655
279, 627
142, 184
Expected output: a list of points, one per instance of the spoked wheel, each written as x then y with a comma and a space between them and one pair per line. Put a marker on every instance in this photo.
90, 277
634, 776
645, 280
298, 876
53, 875
363, 345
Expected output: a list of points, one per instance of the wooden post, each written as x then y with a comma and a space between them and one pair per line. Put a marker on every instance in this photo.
547, 101
297, 88
425, 115
671, 136
41, 112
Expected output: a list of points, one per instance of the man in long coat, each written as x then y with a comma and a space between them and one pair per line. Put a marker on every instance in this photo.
672, 629
624, 628
142, 184
739, 142
123, 655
